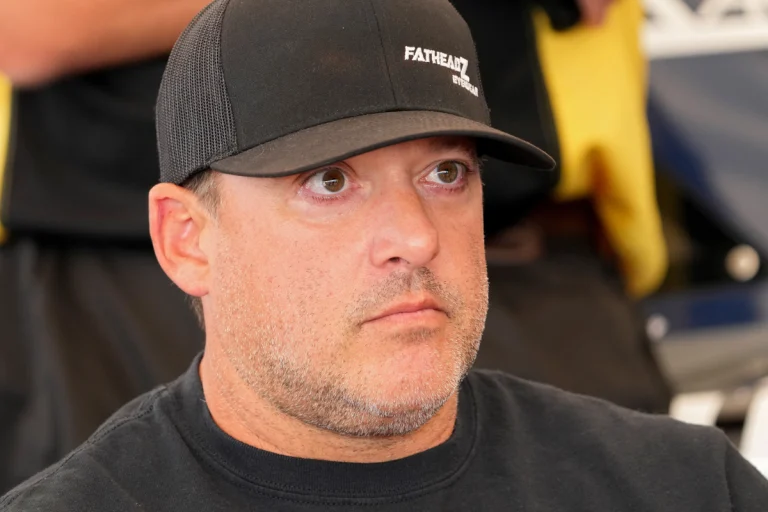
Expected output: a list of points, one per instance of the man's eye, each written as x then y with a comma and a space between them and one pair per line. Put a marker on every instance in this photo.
327, 182
448, 173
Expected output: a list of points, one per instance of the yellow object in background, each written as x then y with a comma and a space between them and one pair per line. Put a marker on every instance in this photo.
597, 77
5, 136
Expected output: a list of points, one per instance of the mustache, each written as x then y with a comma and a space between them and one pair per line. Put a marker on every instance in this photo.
401, 283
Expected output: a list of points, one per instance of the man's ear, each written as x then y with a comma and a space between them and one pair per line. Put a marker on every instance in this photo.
177, 222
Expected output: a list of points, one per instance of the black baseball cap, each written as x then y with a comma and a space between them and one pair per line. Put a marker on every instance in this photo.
279, 87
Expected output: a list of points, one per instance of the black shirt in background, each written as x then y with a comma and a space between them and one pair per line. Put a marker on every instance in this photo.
516, 446
83, 155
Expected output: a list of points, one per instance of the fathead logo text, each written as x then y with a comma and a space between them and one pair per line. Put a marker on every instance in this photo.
457, 64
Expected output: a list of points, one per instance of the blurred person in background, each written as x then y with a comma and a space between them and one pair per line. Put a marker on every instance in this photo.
88, 320
570, 76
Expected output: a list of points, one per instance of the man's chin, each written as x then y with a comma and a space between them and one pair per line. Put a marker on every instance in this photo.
390, 409
389, 419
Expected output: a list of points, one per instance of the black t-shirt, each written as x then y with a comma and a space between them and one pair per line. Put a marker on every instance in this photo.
83, 155
516, 446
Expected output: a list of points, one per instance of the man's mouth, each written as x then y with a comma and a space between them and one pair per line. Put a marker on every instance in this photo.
412, 308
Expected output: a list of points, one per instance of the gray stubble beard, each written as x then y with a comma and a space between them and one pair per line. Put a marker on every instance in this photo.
291, 384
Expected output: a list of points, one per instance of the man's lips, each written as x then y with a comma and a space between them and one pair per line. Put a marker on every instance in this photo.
414, 306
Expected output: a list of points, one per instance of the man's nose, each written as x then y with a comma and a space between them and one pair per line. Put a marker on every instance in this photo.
403, 230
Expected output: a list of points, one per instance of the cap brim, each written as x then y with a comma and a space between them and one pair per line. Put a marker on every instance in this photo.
338, 140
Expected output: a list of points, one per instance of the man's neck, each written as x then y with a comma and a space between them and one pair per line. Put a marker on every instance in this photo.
240, 412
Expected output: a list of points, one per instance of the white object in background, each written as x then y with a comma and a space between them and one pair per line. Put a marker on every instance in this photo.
697, 408
761, 465
742, 263
657, 327
754, 437
675, 29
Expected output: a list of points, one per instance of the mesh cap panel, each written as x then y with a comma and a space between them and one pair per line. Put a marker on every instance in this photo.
195, 126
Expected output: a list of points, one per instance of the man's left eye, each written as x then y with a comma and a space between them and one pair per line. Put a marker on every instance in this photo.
448, 173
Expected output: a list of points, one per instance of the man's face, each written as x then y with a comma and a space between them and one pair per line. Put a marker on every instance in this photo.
353, 297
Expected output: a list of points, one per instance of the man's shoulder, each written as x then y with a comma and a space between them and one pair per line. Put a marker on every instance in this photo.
87, 478
605, 457
582, 421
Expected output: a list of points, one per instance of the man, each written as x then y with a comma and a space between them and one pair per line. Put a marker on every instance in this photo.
89, 320
331, 223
